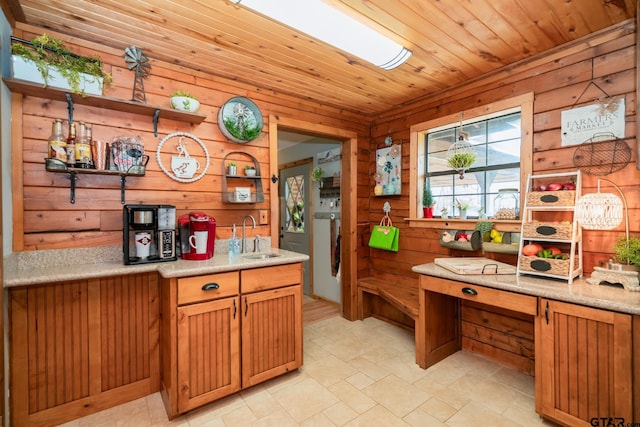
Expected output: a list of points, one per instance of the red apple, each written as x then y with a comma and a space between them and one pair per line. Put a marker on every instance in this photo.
554, 186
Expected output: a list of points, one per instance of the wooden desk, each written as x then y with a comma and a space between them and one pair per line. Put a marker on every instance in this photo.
439, 304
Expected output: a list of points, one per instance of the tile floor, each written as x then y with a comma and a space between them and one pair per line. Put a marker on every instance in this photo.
358, 374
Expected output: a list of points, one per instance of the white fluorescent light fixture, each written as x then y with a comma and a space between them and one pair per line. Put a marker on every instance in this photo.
319, 20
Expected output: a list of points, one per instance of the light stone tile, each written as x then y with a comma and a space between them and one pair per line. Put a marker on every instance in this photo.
369, 368
520, 381
346, 348
473, 363
437, 408
241, 416
451, 397
419, 418
353, 397
397, 395
318, 420
525, 417
340, 413
305, 399
404, 366
329, 370
214, 410
475, 414
360, 380
261, 402
378, 416
279, 418
486, 391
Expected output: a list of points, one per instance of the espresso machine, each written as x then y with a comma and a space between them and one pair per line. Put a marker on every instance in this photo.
149, 233
197, 235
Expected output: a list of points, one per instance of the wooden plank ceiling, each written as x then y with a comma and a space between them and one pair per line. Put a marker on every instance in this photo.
452, 41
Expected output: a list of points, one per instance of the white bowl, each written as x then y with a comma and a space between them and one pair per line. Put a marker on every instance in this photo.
184, 103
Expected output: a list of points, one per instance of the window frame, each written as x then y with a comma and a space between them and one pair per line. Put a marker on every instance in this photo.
417, 148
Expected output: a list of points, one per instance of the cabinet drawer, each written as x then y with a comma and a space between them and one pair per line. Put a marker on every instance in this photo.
505, 299
259, 279
190, 289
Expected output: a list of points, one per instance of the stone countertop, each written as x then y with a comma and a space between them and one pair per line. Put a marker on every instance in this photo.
49, 266
579, 292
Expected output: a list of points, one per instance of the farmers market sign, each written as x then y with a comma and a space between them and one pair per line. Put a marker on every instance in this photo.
582, 123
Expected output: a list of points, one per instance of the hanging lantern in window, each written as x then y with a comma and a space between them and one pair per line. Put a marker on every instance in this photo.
461, 155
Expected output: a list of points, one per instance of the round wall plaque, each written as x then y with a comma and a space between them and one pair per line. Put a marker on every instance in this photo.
240, 120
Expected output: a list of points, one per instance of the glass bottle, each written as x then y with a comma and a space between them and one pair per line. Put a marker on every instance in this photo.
71, 145
89, 136
83, 148
57, 142
507, 204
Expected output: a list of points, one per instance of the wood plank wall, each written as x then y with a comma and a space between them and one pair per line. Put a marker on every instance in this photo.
43, 216
557, 80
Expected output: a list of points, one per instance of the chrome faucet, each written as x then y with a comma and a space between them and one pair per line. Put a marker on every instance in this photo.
244, 231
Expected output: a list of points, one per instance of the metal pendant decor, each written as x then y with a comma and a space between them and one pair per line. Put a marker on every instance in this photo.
461, 155
134, 57
602, 154
183, 166
240, 120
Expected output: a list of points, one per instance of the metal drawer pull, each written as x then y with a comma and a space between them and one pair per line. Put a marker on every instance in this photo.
469, 291
210, 287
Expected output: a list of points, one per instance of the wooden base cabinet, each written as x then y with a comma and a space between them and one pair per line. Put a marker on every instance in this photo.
208, 352
584, 365
82, 346
271, 334
225, 332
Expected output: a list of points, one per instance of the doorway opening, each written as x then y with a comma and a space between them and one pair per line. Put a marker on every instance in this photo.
309, 195
343, 204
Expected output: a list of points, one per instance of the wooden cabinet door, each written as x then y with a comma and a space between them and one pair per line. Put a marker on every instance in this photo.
271, 333
208, 365
82, 346
583, 364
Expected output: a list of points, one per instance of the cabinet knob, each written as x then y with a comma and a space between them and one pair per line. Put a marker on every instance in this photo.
210, 287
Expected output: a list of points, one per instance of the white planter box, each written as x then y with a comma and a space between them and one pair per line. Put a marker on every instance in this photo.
25, 69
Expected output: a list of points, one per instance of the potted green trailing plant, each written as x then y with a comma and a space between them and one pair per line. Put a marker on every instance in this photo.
184, 101
46, 60
461, 162
250, 170
427, 201
628, 252
316, 175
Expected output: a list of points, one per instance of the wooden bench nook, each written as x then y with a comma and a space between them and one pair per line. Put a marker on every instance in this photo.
404, 298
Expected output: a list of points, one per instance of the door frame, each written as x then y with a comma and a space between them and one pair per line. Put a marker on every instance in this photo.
348, 199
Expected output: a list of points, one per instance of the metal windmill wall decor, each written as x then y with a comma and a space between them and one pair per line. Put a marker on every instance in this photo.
134, 57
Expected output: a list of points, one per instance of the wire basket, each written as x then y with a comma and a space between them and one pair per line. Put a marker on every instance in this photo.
602, 154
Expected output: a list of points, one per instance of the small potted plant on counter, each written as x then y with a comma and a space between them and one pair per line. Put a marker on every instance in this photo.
628, 253
184, 101
232, 169
250, 170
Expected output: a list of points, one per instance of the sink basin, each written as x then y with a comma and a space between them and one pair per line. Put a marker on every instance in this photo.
261, 256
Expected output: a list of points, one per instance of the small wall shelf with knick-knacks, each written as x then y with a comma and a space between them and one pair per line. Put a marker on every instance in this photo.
32, 89
56, 165
248, 188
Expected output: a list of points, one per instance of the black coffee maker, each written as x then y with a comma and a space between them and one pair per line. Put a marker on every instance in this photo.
149, 233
